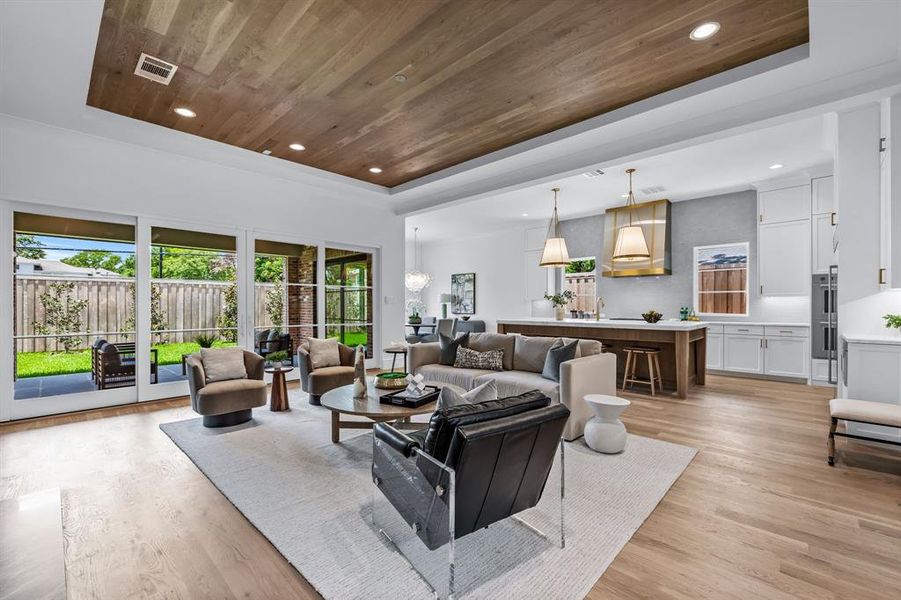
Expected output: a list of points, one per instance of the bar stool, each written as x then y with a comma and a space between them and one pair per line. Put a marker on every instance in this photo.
633, 354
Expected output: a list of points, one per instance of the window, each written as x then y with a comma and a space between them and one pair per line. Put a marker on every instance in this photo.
193, 297
348, 297
721, 279
284, 296
579, 278
74, 287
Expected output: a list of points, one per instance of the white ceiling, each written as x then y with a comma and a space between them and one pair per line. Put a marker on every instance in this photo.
725, 165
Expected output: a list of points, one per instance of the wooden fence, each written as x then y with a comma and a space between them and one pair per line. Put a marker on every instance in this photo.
185, 305
584, 287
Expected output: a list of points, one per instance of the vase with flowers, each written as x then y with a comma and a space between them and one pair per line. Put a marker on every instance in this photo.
560, 301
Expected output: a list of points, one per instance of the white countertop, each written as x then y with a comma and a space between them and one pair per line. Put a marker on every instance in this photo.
869, 338
663, 325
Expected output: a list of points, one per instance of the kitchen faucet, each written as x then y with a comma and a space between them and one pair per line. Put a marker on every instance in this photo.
598, 305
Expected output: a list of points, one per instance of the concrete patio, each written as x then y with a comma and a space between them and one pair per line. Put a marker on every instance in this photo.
57, 385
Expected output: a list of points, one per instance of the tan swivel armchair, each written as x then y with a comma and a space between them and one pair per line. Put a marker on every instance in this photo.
316, 382
226, 403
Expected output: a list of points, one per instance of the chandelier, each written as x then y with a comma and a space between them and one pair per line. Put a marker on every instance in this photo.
416, 280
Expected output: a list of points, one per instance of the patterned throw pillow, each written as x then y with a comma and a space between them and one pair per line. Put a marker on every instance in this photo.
492, 360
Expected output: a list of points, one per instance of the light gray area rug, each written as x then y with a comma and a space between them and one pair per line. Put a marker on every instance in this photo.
311, 498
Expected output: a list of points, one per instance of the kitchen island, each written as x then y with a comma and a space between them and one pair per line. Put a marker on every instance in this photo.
682, 344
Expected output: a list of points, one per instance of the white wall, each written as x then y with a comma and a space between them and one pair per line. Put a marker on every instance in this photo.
497, 261
48, 165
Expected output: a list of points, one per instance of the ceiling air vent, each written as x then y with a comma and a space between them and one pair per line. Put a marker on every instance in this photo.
654, 189
593, 174
154, 69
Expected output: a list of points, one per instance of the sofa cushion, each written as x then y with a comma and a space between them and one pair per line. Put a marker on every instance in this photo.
493, 360
223, 364
450, 396
464, 378
222, 397
448, 348
329, 378
557, 355
529, 352
444, 422
586, 347
482, 342
512, 383
324, 353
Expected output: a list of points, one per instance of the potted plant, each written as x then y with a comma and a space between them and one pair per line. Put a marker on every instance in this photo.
560, 301
206, 340
276, 359
893, 321
414, 318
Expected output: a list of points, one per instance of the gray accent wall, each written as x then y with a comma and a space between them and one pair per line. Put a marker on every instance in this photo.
719, 219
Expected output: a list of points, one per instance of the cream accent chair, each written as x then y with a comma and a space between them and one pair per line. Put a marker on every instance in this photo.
591, 372
226, 403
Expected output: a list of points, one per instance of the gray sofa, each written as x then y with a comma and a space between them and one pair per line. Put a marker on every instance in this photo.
591, 372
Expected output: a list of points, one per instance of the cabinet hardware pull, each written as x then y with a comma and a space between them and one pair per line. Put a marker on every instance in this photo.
832, 219
882, 276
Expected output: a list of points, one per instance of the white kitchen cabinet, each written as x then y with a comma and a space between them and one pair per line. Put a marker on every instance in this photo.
783, 257
786, 356
743, 353
823, 229
872, 371
822, 195
786, 204
714, 351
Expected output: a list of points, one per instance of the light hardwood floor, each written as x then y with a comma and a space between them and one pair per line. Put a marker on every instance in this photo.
758, 513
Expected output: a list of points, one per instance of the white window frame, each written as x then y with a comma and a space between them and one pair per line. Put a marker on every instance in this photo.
696, 292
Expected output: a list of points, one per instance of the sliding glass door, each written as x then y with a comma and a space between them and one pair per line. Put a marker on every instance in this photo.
285, 298
106, 308
73, 299
348, 298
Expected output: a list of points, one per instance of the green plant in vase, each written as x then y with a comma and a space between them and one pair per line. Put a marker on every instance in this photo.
560, 301
892, 321
414, 318
277, 358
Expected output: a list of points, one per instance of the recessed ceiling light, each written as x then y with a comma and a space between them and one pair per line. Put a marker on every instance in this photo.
525, 214
776, 166
296, 146
267, 152
375, 170
704, 31
400, 78
185, 112
624, 195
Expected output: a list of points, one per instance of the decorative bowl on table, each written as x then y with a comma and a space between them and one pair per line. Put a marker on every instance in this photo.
391, 381
652, 316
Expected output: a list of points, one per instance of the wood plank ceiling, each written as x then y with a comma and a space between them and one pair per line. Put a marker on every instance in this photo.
480, 75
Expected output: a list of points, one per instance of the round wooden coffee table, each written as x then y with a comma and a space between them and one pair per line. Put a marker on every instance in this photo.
341, 401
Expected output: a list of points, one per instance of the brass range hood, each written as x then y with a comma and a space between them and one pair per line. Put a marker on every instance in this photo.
637, 238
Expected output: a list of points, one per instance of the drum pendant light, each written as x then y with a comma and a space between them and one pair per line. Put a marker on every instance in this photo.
631, 245
555, 254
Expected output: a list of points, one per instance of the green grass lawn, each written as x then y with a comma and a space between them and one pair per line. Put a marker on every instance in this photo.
41, 364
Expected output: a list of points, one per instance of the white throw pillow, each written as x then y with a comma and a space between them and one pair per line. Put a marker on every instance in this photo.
324, 353
222, 364
450, 397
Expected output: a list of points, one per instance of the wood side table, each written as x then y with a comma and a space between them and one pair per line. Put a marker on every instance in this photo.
278, 397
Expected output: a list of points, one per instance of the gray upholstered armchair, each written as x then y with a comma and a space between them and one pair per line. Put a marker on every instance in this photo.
226, 403
316, 382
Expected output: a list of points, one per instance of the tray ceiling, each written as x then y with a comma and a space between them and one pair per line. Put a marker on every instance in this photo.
413, 87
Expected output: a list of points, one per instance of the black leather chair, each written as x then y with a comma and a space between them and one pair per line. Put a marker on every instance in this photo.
499, 454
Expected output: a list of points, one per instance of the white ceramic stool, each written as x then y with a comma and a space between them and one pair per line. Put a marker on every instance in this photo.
605, 432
